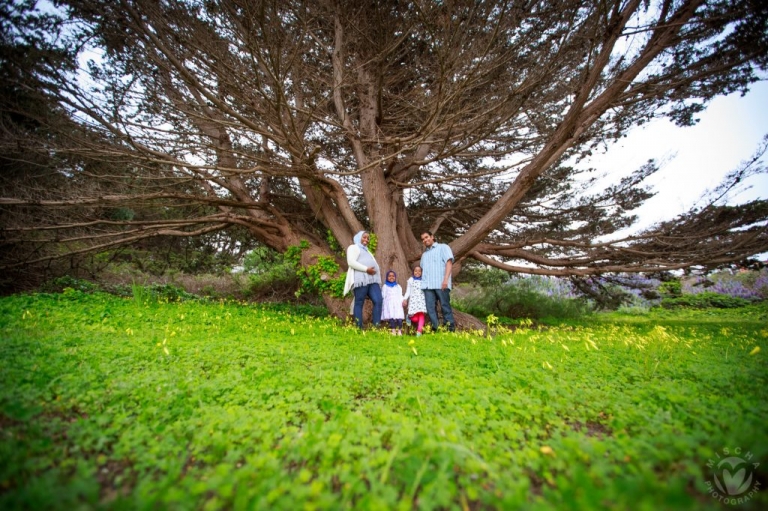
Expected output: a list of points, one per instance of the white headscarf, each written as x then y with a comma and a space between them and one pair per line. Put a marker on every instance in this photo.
357, 240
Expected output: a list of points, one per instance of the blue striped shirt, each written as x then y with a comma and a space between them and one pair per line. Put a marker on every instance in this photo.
433, 266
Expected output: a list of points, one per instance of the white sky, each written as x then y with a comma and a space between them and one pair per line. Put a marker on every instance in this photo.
695, 159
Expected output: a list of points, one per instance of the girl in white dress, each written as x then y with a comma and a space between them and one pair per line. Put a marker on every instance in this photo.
414, 298
392, 309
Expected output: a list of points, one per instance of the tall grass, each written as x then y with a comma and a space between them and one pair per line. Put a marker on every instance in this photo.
141, 295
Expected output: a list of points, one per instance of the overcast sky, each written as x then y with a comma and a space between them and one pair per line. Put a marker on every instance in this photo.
695, 158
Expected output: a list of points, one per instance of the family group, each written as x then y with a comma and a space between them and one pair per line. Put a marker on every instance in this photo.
428, 285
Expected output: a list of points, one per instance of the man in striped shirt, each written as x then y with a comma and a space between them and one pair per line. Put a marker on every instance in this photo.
436, 266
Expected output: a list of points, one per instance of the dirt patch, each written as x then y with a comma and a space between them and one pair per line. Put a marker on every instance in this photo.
591, 428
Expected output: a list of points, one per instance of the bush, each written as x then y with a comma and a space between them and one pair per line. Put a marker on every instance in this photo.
747, 284
613, 291
671, 288
270, 276
704, 300
59, 284
760, 285
169, 292
529, 297
634, 310
159, 292
280, 283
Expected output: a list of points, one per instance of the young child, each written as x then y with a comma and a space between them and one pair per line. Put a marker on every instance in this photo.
414, 298
392, 308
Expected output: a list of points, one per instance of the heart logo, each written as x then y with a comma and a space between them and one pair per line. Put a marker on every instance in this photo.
735, 482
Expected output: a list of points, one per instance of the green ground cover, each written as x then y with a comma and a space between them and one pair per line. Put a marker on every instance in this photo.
106, 403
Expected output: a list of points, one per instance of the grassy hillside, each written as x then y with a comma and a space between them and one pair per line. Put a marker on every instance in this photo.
121, 404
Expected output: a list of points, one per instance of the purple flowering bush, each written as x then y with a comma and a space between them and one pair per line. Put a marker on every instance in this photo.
747, 284
760, 286
534, 296
634, 293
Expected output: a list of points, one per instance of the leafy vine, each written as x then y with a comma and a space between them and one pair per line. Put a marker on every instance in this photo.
318, 277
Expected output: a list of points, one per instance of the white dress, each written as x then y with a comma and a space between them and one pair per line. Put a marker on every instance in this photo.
415, 297
392, 308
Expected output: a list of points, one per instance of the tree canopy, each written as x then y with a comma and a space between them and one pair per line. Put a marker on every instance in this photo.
295, 120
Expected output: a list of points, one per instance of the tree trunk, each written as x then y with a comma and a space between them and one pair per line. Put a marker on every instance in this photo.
338, 307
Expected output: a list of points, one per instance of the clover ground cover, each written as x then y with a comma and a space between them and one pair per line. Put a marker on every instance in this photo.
109, 404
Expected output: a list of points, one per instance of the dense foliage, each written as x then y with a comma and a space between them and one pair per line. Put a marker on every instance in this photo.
705, 300
750, 285
493, 292
529, 297
120, 403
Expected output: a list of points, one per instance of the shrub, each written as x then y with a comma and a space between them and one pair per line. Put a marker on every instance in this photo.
159, 292
123, 290
59, 284
169, 292
705, 300
760, 285
280, 282
271, 276
634, 310
671, 288
612, 291
526, 297
750, 285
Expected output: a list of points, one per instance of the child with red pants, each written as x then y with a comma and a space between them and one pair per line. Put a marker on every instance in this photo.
414, 299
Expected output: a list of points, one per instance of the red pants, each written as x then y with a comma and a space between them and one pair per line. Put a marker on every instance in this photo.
418, 318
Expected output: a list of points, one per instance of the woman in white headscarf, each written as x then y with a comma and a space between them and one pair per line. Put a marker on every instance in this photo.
363, 277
